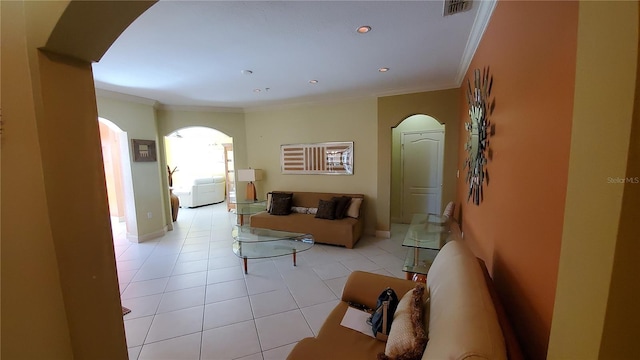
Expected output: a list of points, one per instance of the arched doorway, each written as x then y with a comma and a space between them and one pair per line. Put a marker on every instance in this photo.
198, 152
416, 167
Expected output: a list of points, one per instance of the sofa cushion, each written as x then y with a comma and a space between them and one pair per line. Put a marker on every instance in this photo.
281, 203
408, 337
326, 210
353, 210
462, 318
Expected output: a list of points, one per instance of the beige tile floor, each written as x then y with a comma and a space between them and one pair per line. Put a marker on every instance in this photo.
190, 299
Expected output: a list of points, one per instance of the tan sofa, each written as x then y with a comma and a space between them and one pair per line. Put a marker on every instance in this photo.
464, 317
344, 232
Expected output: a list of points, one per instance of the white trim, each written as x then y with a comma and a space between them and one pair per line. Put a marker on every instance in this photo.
485, 10
383, 234
221, 109
145, 237
125, 97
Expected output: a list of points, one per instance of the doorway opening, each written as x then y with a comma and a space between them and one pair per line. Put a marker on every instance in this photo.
194, 155
117, 170
416, 167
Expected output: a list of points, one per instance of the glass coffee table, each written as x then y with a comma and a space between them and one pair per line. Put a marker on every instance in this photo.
257, 243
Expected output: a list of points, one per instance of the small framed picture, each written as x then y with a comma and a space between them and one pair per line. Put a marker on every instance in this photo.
144, 150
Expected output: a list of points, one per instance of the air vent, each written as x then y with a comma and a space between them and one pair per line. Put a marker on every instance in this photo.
456, 6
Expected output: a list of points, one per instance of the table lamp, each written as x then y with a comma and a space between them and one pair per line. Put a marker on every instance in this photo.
250, 175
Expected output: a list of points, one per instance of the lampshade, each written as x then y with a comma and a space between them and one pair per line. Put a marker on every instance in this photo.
249, 174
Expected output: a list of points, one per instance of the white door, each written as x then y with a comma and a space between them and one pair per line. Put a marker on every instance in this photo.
422, 161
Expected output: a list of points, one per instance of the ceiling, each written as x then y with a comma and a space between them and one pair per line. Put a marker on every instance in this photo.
193, 53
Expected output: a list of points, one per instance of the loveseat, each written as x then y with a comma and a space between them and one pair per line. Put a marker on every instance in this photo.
202, 191
303, 218
461, 315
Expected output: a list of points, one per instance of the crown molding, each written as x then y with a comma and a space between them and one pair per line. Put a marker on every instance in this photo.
199, 108
485, 10
125, 97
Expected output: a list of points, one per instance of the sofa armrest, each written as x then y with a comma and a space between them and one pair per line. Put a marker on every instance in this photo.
364, 287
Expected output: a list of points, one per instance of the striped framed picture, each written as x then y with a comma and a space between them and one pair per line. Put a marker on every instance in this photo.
328, 158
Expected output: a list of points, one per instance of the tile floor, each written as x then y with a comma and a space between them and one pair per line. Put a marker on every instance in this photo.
190, 299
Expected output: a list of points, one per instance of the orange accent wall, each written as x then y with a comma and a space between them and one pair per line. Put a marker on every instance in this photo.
530, 48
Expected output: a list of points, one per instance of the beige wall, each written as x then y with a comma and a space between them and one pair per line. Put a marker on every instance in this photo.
412, 123
138, 120
600, 144
353, 120
442, 105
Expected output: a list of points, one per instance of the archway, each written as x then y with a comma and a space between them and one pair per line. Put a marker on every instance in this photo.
417, 164
197, 152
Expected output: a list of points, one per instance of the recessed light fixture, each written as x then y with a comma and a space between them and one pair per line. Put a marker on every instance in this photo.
313, 81
363, 29
256, 90
384, 69
246, 72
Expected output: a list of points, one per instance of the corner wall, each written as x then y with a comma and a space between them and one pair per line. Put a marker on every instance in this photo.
139, 122
600, 209
530, 47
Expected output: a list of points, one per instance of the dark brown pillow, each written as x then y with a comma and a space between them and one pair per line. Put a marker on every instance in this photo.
281, 203
342, 204
326, 210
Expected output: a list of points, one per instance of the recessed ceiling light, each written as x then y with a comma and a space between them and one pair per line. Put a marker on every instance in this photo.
384, 69
256, 90
313, 81
246, 72
363, 29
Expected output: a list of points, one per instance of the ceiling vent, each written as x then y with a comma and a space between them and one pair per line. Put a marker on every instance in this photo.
456, 6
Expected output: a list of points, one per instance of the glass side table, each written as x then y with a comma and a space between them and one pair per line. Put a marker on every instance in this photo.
248, 207
426, 235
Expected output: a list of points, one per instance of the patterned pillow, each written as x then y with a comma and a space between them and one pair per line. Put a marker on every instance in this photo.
299, 210
326, 210
408, 337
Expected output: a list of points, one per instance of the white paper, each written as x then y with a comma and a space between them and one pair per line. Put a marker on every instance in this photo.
357, 320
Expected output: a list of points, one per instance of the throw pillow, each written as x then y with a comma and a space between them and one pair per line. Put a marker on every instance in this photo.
299, 210
342, 203
326, 210
312, 211
281, 203
448, 211
354, 208
408, 337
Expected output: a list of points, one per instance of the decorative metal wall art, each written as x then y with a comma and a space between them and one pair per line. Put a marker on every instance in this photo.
479, 129
330, 158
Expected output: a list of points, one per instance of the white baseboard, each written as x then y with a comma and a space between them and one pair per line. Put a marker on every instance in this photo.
146, 237
383, 234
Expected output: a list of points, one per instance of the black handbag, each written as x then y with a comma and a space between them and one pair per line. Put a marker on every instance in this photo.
382, 317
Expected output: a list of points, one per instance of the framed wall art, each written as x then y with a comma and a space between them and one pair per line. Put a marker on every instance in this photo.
328, 158
144, 150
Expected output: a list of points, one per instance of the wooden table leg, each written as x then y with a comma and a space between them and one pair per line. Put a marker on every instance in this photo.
241, 219
245, 264
409, 275
294, 258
